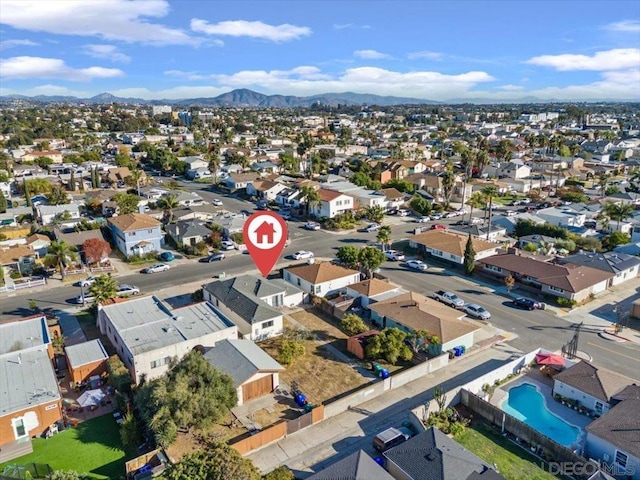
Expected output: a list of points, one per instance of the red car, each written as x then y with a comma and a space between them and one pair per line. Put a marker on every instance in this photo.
438, 227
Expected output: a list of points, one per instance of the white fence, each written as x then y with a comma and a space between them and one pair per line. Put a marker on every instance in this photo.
20, 283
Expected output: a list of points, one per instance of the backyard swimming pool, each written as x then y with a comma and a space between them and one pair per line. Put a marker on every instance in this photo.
527, 404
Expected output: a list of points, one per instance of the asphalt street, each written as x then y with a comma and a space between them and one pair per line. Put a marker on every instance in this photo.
531, 329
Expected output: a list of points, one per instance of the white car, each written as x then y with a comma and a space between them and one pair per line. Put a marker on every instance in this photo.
158, 267
394, 255
424, 219
302, 254
227, 245
217, 202
510, 213
417, 265
450, 215
403, 213
372, 227
87, 282
124, 290
476, 311
312, 226
436, 216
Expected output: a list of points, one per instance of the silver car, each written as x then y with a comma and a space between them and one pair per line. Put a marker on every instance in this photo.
476, 311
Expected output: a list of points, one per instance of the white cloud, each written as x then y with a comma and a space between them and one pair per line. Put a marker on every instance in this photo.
175, 93
370, 54
425, 54
122, 20
109, 52
186, 75
243, 28
624, 26
616, 59
6, 44
56, 90
342, 26
39, 67
510, 88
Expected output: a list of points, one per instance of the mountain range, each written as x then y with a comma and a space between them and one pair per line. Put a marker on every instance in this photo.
240, 98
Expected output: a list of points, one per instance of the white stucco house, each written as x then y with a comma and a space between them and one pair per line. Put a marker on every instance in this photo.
331, 203
372, 290
321, 278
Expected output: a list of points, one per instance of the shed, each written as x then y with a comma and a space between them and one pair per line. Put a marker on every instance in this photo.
86, 360
358, 343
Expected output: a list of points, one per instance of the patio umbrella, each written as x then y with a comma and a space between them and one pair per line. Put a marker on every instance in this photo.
90, 398
551, 359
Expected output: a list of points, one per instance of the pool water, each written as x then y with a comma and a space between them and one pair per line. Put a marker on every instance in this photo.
527, 404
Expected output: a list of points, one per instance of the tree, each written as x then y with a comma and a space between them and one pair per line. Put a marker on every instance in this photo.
389, 344
95, 250
448, 182
384, 236
289, 350
58, 196
615, 239
104, 288
218, 462
618, 212
127, 203
353, 324
476, 200
420, 205
280, 473
191, 394
490, 191
509, 282
400, 184
65, 475
311, 198
61, 254
43, 162
440, 396
374, 213
135, 179
119, 375
213, 160
469, 257
130, 431
72, 182
27, 193
348, 256
370, 258
481, 161
3, 203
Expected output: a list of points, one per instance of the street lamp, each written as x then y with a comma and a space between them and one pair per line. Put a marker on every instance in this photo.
82, 292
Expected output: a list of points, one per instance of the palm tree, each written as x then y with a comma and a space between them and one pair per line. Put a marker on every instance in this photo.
482, 159
214, 164
490, 191
448, 181
469, 157
104, 288
476, 200
574, 148
168, 203
618, 211
136, 178
311, 196
603, 181
61, 254
384, 236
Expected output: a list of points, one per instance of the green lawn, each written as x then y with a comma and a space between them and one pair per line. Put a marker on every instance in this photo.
92, 448
513, 462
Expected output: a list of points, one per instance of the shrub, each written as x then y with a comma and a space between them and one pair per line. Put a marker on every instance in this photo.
290, 350
565, 302
352, 324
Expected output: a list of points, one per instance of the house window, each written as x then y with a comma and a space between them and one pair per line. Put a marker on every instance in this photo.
149, 231
268, 324
161, 362
318, 288
599, 407
493, 268
555, 289
287, 276
299, 282
132, 234
621, 459
19, 429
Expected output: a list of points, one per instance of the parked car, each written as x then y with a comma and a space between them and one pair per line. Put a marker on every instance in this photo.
217, 202
436, 216
476, 311
372, 227
228, 245
392, 211
417, 265
394, 255
391, 437
312, 226
213, 258
302, 254
158, 267
438, 227
423, 219
450, 215
87, 282
526, 303
448, 298
403, 212
125, 289
510, 213
167, 257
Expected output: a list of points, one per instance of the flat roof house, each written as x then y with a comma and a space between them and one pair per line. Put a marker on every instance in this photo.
321, 278
148, 335
253, 371
86, 359
29, 397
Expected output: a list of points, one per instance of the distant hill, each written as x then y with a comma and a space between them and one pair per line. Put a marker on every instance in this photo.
241, 98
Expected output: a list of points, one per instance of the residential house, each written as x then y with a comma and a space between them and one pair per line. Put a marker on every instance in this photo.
394, 198
612, 439
187, 233
542, 243
265, 189
573, 282
39, 243
562, 216
252, 303
357, 466
136, 234
509, 223
253, 371
412, 312
232, 224
624, 267
239, 181
266, 166
331, 203
495, 233
187, 199
372, 290
22, 258
591, 386
321, 278
432, 455
30, 401
450, 246
34, 155
5, 189
287, 196
11, 217
514, 169
429, 183
149, 335
195, 162
118, 176
77, 239
48, 214
86, 360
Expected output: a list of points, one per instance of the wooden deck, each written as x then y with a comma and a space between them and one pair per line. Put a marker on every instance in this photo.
15, 450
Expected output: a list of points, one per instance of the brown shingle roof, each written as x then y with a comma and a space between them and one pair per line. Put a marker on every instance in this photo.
620, 426
37, 236
321, 272
418, 312
597, 382
15, 253
134, 221
328, 195
450, 242
391, 193
372, 287
570, 277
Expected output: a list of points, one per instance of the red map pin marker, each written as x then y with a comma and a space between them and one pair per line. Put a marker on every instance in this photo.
265, 235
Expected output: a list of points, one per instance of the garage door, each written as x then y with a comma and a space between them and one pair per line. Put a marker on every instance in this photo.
257, 388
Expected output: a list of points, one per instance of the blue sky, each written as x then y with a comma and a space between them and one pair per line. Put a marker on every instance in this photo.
152, 49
